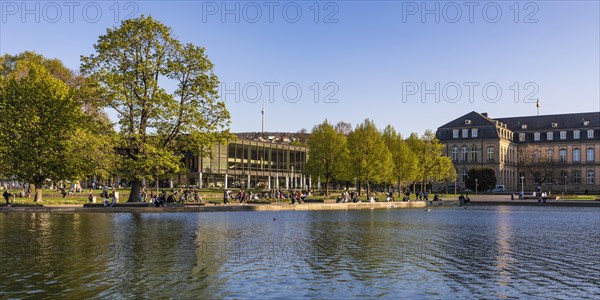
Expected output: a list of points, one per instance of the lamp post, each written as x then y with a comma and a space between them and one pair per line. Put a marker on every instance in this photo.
522, 185
565, 182
455, 186
475, 186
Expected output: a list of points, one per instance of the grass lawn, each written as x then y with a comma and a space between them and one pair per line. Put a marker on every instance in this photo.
579, 197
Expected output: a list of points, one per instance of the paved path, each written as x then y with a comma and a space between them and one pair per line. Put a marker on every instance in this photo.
212, 208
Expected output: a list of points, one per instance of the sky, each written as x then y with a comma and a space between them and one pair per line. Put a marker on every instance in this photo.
413, 64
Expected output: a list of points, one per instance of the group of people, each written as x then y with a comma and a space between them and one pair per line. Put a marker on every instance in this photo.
295, 197
346, 197
176, 195
110, 198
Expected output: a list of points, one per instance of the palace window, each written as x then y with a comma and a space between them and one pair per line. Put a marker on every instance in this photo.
576, 177
454, 153
465, 152
576, 155
563, 177
590, 133
576, 134
490, 153
590, 154
536, 136
549, 135
474, 132
563, 135
465, 133
562, 155
590, 177
521, 137
474, 153
550, 154
455, 133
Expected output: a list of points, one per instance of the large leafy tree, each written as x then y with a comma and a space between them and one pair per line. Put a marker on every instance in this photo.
370, 159
327, 153
133, 65
483, 177
429, 154
537, 163
45, 130
91, 147
445, 171
404, 160
343, 127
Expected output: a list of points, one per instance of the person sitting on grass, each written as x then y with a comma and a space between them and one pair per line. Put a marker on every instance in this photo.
160, 200
113, 197
105, 196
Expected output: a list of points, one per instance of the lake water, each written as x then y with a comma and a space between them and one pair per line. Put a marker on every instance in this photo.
479, 252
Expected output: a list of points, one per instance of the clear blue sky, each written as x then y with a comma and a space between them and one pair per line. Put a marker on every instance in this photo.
372, 54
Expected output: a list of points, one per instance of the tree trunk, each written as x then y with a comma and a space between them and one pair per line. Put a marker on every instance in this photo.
368, 190
326, 186
134, 195
37, 187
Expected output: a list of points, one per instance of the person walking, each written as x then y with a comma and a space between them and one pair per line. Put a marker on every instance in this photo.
225, 197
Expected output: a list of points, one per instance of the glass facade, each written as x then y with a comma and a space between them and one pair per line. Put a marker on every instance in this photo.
246, 163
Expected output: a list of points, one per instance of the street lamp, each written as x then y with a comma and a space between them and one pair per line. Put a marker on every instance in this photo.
475, 186
565, 182
454, 186
522, 185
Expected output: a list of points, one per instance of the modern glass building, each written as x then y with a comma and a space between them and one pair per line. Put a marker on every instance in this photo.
248, 164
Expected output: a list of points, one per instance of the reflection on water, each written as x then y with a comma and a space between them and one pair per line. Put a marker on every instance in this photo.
491, 252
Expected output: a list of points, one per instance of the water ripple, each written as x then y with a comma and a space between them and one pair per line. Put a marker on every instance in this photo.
482, 252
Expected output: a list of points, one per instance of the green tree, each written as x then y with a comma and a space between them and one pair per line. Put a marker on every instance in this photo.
41, 123
95, 137
327, 153
132, 64
445, 171
343, 127
429, 152
370, 159
484, 177
404, 160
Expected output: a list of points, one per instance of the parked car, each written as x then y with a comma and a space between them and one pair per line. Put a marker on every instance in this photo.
499, 188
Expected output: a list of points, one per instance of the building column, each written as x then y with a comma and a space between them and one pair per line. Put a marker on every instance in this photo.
287, 183
199, 180
319, 182
248, 186
277, 181
269, 182
226, 181
309, 182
